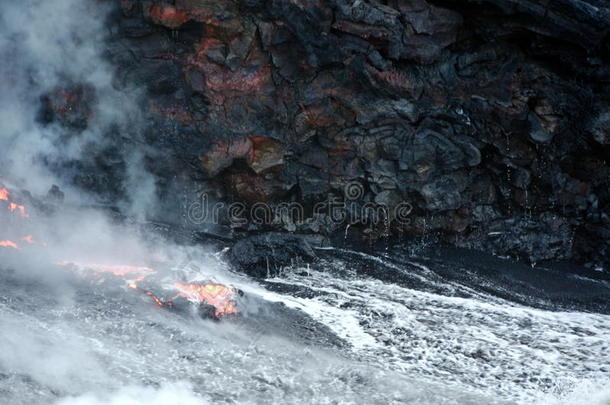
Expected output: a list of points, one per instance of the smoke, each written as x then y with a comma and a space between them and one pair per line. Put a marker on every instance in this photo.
46, 355
178, 393
65, 121
61, 110
62, 116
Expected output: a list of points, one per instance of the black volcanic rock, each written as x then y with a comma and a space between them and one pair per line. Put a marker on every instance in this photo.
266, 254
478, 113
69, 106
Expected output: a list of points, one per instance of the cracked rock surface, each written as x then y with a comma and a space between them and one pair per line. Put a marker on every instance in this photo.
491, 118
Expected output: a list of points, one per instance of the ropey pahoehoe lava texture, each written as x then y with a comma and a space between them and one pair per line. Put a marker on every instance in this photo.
491, 117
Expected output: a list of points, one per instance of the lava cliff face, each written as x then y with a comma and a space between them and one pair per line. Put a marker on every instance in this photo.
490, 118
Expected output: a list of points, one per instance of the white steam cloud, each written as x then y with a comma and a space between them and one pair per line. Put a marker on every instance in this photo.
50, 45
167, 394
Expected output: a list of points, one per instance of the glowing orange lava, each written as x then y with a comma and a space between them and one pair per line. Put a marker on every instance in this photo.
128, 273
19, 208
219, 296
8, 243
156, 299
12, 207
28, 239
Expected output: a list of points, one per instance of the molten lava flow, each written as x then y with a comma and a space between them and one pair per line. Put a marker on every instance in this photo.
19, 208
8, 243
157, 300
28, 239
127, 273
219, 296
12, 207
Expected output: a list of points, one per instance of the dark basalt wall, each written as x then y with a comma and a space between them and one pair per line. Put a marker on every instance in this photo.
490, 117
